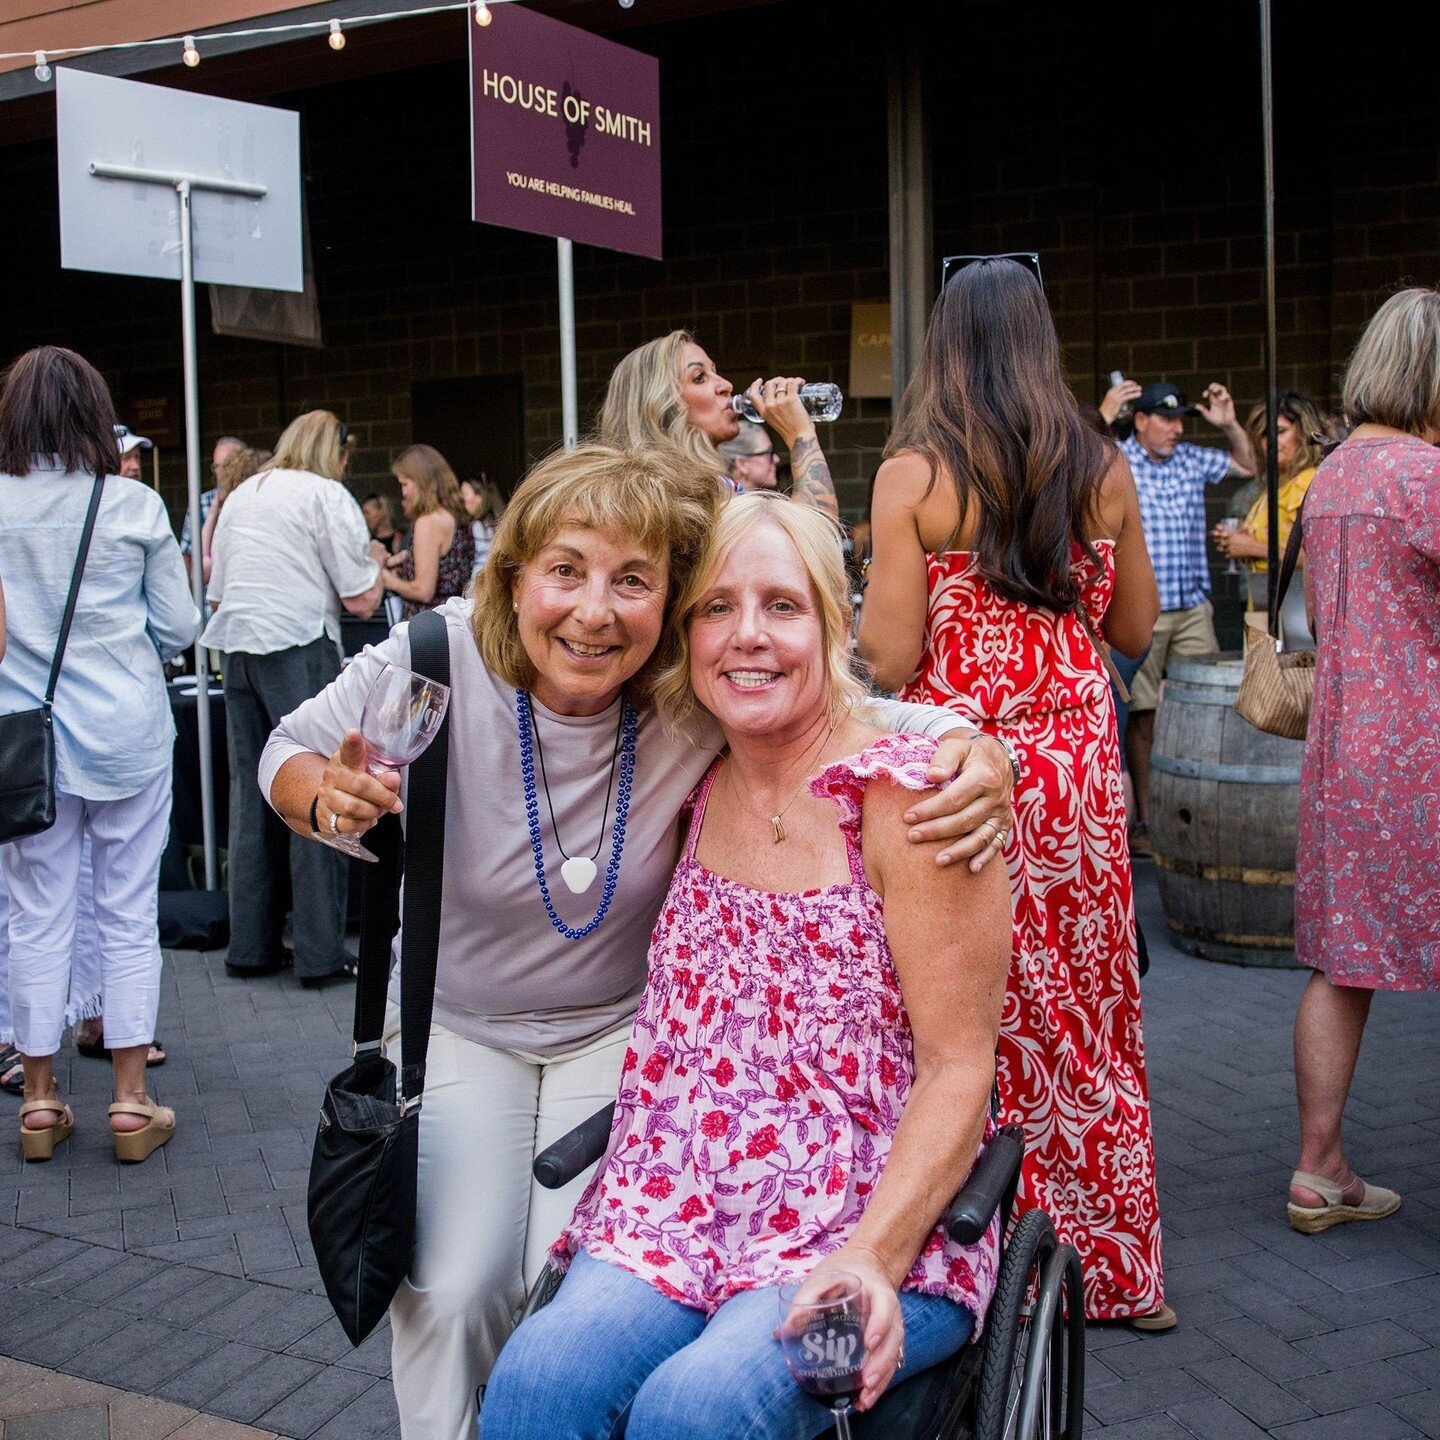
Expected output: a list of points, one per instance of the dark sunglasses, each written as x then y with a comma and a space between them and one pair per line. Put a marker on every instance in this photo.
344, 434
953, 264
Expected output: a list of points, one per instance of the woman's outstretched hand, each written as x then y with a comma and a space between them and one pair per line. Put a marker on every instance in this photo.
350, 792
973, 808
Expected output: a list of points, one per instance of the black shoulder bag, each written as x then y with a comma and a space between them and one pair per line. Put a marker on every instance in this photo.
362, 1172
27, 738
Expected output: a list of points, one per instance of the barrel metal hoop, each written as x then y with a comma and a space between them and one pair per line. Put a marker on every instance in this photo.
1244, 874
1241, 774
1258, 942
1202, 695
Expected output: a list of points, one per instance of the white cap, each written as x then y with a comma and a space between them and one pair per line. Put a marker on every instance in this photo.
128, 440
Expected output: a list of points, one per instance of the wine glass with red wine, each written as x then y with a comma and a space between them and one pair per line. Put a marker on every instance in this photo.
822, 1332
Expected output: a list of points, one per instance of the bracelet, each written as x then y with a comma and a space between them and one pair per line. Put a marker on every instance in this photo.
1014, 759
315, 816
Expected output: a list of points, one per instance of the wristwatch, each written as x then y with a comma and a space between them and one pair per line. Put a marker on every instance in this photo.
1014, 759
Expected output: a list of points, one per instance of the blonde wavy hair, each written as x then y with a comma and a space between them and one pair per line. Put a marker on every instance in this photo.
312, 442
1308, 420
1394, 375
436, 487
645, 406
660, 498
815, 537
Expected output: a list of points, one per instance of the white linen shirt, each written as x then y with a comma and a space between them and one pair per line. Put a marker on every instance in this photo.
113, 730
288, 546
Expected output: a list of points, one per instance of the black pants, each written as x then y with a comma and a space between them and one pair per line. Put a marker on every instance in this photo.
259, 690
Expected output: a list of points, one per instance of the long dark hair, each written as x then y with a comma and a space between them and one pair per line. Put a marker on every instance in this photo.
988, 404
54, 402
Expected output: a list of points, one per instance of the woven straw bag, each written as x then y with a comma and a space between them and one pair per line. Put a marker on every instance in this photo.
1277, 686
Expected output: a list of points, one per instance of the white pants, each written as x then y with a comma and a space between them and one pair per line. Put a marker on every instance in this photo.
483, 1224
84, 1002
43, 876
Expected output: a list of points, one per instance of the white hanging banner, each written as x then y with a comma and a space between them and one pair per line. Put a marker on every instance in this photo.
122, 228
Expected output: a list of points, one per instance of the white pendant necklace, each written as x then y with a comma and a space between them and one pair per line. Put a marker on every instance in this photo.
578, 871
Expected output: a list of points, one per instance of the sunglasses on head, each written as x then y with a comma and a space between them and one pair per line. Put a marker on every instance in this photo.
344, 433
953, 264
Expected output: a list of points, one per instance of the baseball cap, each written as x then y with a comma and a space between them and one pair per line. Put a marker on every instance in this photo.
1162, 398
128, 440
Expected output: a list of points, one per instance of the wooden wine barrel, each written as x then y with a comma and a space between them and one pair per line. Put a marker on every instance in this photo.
1224, 799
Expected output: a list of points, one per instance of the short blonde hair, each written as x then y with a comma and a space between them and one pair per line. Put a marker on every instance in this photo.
311, 442
818, 542
660, 498
645, 406
1394, 375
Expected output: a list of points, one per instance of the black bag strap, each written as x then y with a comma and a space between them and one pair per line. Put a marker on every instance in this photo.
74, 595
1287, 572
421, 847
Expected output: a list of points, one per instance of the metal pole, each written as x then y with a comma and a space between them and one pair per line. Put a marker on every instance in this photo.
1272, 384
569, 405
197, 549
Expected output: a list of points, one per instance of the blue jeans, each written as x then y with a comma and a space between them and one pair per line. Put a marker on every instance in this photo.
611, 1356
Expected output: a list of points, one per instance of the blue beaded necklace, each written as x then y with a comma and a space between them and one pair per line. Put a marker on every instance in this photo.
525, 723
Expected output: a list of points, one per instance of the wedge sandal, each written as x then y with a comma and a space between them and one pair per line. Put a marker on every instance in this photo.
39, 1144
1375, 1204
133, 1146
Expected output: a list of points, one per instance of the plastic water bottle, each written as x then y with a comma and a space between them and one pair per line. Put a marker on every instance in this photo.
821, 399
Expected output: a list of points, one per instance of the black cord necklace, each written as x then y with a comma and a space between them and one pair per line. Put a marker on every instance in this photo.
578, 871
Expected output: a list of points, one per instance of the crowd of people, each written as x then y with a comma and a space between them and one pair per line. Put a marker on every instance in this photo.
840, 937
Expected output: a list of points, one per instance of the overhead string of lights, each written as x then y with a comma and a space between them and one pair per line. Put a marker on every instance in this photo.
334, 30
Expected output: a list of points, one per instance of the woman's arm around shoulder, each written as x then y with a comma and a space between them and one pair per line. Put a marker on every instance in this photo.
1135, 606
892, 619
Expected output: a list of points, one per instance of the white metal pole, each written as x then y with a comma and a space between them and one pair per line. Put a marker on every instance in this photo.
197, 548
569, 405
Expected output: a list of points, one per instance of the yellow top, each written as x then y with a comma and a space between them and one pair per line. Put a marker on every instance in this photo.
1257, 522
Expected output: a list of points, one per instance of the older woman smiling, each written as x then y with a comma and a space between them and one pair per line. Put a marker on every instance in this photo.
538, 976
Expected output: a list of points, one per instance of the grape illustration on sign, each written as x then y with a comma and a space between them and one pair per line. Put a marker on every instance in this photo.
565, 133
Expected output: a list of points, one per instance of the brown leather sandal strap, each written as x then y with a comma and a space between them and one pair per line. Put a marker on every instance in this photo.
133, 1107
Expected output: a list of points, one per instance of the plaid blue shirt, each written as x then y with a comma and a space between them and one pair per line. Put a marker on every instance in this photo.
1172, 510
207, 503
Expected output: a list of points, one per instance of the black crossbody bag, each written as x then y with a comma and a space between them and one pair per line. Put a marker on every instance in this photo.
362, 1171
27, 738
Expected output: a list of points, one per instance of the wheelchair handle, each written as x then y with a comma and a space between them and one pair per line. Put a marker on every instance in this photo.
994, 1176
560, 1163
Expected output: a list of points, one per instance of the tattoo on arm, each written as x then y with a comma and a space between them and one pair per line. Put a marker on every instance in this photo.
810, 482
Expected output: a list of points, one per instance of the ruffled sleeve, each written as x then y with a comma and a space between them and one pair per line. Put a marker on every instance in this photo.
901, 759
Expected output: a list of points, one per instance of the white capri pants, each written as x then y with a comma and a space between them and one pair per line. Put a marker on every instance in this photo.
483, 1225
42, 874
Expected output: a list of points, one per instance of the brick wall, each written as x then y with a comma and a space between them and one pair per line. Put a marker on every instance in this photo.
1133, 168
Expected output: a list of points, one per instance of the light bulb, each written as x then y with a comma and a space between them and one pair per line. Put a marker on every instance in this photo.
191, 55
337, 36
482, 13
43, 71
627, 4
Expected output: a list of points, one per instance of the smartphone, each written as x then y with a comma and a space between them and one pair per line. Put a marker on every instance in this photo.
1117, 377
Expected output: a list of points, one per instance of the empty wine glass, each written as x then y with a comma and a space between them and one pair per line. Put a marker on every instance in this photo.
1230, 526
823, 1338
402, 712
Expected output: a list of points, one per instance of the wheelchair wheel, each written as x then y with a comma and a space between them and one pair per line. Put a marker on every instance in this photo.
1011, 1337
1050, 1404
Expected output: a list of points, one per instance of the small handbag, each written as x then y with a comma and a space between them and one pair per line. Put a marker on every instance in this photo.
27, 737
361, 1206
1277, 685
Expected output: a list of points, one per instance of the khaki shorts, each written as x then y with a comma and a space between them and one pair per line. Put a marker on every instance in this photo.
1177, 632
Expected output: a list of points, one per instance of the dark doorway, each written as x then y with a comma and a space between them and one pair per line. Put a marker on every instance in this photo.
477, 422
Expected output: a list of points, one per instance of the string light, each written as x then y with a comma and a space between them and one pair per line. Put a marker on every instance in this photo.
42, 67
191, 55
482, 13
337, 36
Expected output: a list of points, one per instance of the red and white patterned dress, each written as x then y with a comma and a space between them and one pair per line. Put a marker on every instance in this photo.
1071, 1058
768, 1067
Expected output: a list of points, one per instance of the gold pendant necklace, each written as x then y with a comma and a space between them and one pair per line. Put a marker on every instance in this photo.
777, 820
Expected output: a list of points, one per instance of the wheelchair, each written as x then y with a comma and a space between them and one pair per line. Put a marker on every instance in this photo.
1023, 1379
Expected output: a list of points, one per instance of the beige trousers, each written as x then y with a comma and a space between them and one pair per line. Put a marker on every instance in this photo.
483, 1224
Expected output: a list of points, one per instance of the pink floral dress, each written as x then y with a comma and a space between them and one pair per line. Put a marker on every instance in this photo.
768, 1068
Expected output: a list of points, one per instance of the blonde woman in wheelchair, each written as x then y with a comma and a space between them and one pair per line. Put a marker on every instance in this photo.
808, 1078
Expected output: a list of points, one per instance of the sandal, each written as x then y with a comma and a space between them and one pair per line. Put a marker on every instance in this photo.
1375, 1203
133, 1146
99, 1050
39, 1143
12, 1070
1155, 1323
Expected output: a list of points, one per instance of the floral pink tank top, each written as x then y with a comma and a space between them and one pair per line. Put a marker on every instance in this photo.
768, 1067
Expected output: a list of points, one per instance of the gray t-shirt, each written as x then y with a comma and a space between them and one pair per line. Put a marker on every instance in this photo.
505, 977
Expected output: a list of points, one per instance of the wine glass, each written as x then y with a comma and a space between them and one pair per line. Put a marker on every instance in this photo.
1230, 526
402, 712
823, 1338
